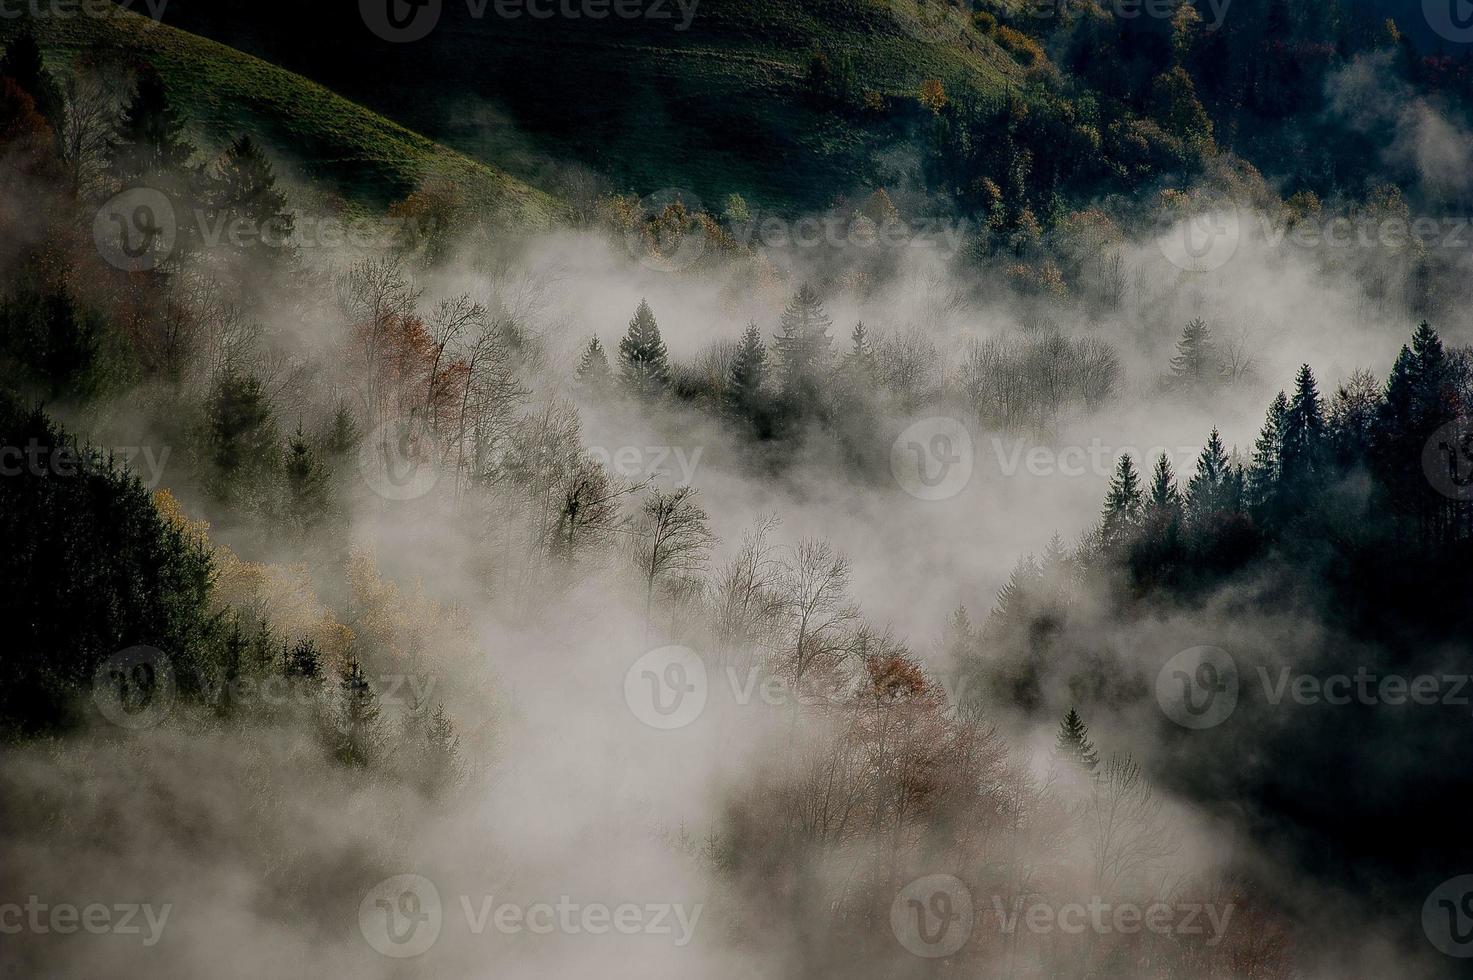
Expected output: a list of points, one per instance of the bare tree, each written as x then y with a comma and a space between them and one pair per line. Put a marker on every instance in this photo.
815, 586
92, 110
672, 538
1123, 824
746, 603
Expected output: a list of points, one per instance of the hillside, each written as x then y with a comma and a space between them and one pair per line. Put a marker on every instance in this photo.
360, 154
723, 105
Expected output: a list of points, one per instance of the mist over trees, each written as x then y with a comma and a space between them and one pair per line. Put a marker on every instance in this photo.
388, 533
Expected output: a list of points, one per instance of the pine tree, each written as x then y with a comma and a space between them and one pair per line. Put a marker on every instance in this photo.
22, 63
307, 484
804, 349
439, 768
150, 141
747, 377
1074, 745
1302, 455
241, 432
1018, 598
1122, 504
593, 368
245, 188
1265, 468
358, 738
1163, 499
1206, 494
1196, 361
303, 661
342, 435
643, 361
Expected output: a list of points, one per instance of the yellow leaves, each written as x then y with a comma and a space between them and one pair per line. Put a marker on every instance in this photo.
172, 511
933, 94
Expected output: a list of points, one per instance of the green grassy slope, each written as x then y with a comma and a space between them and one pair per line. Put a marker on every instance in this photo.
718, 107
371, 160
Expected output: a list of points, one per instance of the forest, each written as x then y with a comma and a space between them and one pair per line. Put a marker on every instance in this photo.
446, 539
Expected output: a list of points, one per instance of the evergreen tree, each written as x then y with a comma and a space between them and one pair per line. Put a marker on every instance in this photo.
1122, 504
1163, 498
241, 431
303, 661
1303, 451
1074, 745
245, 189
150, 140
643, 361
1197, 361
1265, 468
22, 63
91, 568
357, 738
1018, 598
746, 378
593, 367
1206, 491
438, 767
307, 484
342, 435
804, 349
